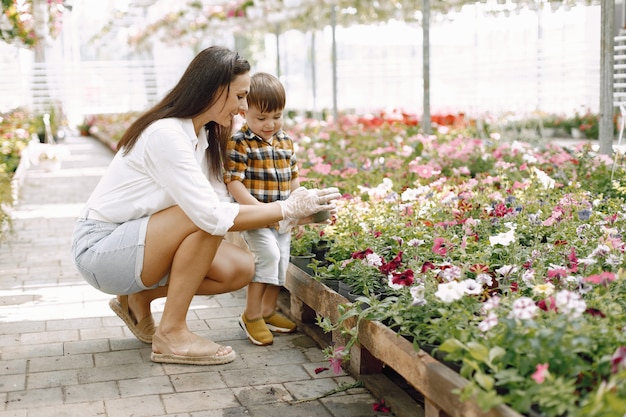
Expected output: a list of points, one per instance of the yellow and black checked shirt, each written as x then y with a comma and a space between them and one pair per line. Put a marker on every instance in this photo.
265, 169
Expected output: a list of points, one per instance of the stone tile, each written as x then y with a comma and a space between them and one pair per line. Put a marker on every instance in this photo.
22, 327
219, 313
86, 409
312, 366
59, 363
307, 409
49, 337
262, 394
129, 342
14, 413
35, 398
150, 405
86, 346
222, 412
17, 366
105, 332
359, 405
91, 392
273, 357
145, 386
264, 375
194, 381
32, 351
119, 372
117, 358
73, 324
303, 390
36, 380
199, 400
15, 382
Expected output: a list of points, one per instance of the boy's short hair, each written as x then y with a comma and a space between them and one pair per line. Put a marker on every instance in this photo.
267, 93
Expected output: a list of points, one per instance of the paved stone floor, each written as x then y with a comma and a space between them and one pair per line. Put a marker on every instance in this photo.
64, 353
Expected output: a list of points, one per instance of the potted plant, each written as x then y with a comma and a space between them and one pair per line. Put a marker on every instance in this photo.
302, 240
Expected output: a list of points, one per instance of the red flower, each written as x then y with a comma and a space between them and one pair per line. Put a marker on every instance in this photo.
362, 254
380, 406
547, 304
388, 267
320, 370
403, 278
427, 266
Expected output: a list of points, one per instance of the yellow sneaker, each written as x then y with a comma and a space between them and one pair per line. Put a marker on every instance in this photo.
279, 323
256, 330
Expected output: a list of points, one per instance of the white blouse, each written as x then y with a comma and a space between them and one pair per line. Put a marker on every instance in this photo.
166, 167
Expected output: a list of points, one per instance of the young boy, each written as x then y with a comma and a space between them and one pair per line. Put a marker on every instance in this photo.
262, 168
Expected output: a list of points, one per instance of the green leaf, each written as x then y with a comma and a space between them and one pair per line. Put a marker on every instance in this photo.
484, 380
478, 351
451, 346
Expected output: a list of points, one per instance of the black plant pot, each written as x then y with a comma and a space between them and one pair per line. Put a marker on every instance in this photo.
302, 262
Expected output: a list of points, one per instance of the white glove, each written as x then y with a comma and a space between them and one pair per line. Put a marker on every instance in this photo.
302, 202
285, 225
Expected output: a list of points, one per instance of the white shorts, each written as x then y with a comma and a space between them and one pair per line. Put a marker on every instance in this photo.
271, 254
109, 256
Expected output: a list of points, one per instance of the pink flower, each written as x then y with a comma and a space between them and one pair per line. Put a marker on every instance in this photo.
601, 279
540, 374
337, 359
424, 171
439, 246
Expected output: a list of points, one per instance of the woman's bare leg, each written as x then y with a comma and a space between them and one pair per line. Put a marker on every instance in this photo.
175, 244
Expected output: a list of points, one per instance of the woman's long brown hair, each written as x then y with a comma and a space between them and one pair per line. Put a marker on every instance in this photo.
208, 74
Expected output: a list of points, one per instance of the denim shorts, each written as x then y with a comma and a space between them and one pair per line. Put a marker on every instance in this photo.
109, 256
271, 254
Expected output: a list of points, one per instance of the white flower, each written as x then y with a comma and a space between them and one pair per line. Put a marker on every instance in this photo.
524, 308
471, 286
451, 274
491, 303
450, 291
544, 289
489, 322
528, 277
543, 178
570, 303
504, 239
507, 270
417, 292
484, 279
416, 242
373, 259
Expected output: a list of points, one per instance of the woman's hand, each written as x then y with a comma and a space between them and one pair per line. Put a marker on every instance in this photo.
303, 203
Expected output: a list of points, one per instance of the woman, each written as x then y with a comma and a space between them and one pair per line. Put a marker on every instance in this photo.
154, 225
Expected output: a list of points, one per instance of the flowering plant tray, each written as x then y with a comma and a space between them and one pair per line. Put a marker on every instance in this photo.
380, 346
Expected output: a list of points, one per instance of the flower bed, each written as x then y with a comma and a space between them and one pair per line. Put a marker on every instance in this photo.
16, 128
507, 258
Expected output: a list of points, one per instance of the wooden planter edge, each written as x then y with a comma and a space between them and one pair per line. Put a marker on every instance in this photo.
431, 378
